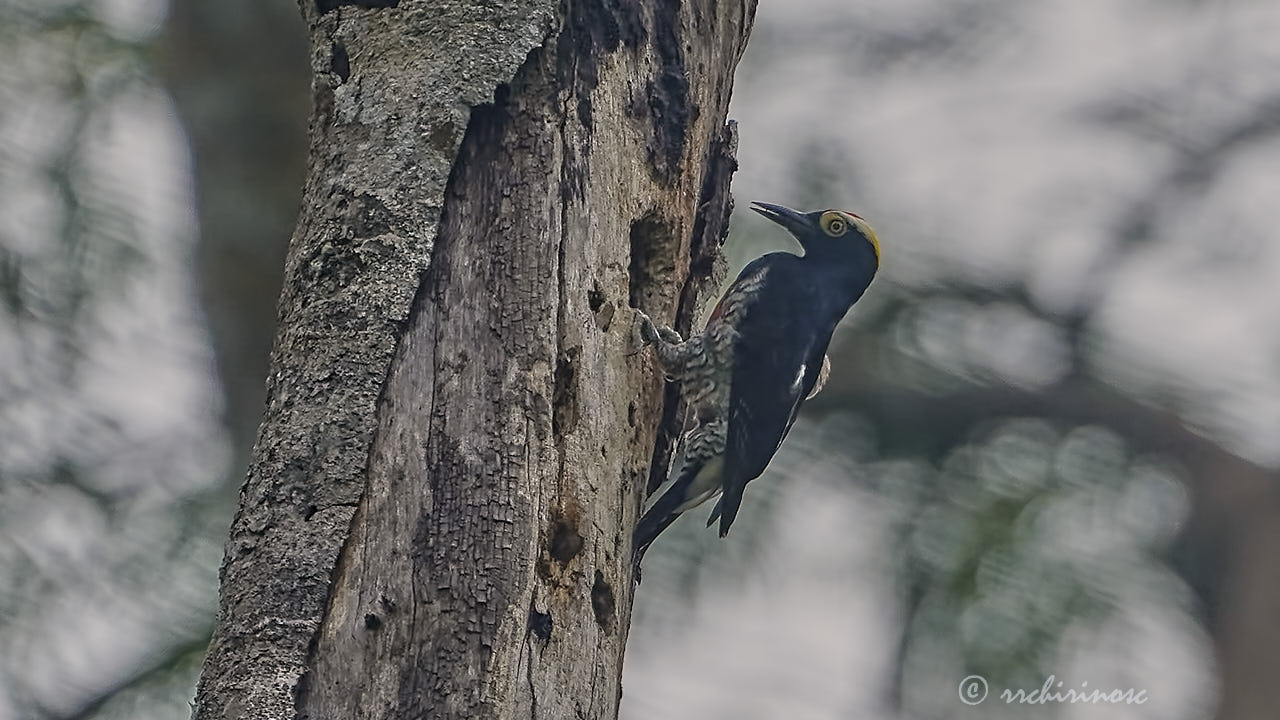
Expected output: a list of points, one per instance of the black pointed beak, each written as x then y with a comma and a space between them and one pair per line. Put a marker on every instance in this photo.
793, 221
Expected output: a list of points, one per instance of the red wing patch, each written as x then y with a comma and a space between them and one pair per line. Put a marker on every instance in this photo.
741, 289
718, 312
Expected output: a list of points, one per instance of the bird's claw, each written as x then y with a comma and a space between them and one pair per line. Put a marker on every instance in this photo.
643, 333
668, 335
645, 327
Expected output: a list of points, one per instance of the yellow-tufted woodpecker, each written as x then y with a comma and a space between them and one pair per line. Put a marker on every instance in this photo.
762, 354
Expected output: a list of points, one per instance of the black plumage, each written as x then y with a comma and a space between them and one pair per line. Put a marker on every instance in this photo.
762, 354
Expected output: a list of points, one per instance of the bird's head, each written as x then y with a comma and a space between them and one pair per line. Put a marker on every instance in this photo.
828, 235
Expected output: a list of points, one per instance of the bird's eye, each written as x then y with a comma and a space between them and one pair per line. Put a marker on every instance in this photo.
834, 225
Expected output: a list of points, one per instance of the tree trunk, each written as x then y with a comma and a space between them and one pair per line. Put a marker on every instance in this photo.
437, 518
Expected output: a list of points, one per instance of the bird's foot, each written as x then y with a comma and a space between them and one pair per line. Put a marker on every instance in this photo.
645, 332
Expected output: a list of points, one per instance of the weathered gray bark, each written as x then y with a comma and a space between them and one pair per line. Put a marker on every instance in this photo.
436, 521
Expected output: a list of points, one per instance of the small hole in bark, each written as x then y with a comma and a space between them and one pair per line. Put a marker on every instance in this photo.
631, 414
539, 623
308, 511
600, 306
595, 297
566, 543
652, 267
340, 62
564, 397
602, 602
372, 622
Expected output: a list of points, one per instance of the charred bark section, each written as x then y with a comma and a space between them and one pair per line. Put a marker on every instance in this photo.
706, 272
670, 107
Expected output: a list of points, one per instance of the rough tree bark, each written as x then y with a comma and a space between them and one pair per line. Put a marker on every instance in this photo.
436, 521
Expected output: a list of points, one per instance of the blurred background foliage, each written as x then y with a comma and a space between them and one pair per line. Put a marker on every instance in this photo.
1049, 443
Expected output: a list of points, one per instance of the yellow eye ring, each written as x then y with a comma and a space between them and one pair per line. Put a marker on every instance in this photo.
834, 225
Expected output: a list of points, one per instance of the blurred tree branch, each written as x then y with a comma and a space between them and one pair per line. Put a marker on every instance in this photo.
237, 73
165, 662
1235, 504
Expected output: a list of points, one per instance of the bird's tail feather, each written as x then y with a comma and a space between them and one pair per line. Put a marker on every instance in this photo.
715, 512
728, 506
663, 512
